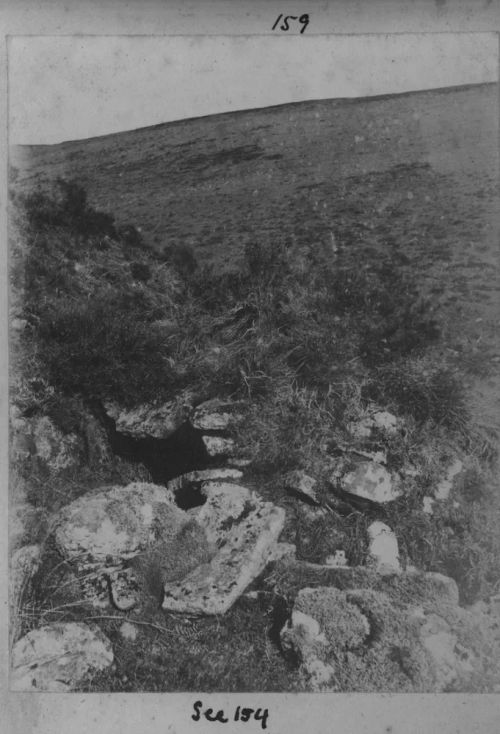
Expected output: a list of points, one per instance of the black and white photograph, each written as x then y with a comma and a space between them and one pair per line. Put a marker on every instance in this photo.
254, 364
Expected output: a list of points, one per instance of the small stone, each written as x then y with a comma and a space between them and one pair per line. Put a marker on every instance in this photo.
386, 421
128, 631
445, 485
381, 420
215, 415
383, 548
338, 560
371, 481
185, 481
427, 505
218, 446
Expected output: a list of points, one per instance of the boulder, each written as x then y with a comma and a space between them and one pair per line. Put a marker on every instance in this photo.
149, 420
371, 481
58, 657
245, 530
383, 549
110, 525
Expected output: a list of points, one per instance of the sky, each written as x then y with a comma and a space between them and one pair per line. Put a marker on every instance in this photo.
71, 87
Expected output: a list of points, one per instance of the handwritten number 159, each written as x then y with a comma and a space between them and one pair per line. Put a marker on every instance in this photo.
303, 20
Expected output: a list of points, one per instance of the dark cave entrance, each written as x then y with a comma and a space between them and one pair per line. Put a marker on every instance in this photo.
183, 451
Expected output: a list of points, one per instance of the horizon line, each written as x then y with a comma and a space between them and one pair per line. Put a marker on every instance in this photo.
179, 121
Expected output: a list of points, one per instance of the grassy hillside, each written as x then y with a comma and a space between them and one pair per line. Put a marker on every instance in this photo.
311, 260
412, 177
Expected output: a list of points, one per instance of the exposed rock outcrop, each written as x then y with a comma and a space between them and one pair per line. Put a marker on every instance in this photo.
406, 633
136, 536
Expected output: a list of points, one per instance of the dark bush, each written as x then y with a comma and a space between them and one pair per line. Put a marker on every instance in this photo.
423, 392
140, 271
103, 349
130, 236
182, 258
66, 206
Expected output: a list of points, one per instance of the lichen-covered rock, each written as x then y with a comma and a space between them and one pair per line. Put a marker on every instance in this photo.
116, 523
151, 421
383, 551
322, 627
215, 415
245, 530
225, 503
420, 639
342, 623
58, 657
371, 481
